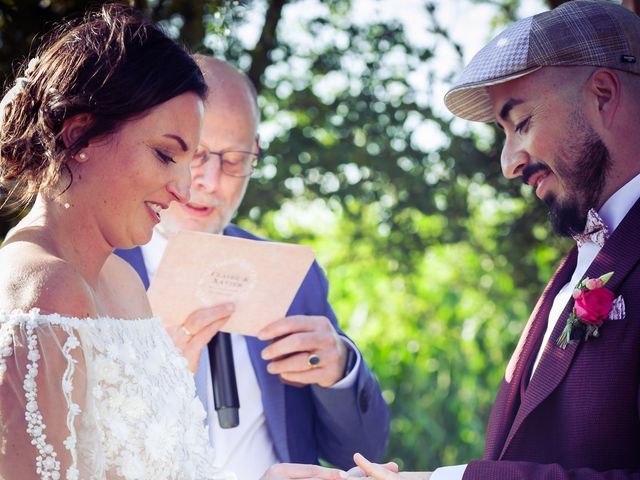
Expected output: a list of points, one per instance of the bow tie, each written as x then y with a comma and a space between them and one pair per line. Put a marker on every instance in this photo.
594, 231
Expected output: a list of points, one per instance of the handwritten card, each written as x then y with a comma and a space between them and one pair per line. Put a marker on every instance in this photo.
201, 270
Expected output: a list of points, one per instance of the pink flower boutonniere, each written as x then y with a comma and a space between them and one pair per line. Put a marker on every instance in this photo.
593, 304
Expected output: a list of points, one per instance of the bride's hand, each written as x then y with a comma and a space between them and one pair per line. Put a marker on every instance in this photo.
290, 471
197, 330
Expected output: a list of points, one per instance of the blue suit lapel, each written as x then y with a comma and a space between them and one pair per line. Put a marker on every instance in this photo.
619, 255
135, 259
273, 398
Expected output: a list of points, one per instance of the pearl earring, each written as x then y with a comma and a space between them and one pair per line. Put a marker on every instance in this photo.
66, 205
83, 156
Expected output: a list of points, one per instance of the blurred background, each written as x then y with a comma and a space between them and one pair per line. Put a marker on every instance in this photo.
434, 260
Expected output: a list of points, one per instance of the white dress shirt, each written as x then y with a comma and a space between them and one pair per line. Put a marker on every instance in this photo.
612, 213
247, 449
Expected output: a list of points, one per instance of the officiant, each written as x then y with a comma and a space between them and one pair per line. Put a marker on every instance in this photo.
305, 390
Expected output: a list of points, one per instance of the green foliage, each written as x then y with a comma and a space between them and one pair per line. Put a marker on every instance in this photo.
437, 330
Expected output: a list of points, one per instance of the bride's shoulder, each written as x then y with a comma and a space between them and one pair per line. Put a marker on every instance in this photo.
31, 277
127, 296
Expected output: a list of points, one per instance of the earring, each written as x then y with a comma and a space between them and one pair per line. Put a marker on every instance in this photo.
66, 205
83, 156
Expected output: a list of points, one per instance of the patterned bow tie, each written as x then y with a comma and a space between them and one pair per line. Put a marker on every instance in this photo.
594, 231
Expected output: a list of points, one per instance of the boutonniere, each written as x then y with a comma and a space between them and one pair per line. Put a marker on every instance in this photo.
593, 304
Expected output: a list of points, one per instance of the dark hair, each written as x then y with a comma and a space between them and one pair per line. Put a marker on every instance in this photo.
114, 65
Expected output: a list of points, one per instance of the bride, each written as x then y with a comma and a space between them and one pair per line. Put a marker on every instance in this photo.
100, 128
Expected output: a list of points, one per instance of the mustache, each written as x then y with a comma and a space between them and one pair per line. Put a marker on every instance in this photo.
531, 169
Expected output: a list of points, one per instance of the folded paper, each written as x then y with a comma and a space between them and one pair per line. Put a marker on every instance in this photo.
201, 270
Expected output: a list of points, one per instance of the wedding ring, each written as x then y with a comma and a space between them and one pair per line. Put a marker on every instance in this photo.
186, 331
313, 360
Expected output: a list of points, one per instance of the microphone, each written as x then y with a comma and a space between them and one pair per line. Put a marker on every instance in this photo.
225, 389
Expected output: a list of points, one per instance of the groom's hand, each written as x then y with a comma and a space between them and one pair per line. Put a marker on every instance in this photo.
197, 330
304, 350
290, 471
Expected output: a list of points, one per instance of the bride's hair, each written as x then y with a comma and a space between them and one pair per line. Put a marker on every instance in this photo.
113, 65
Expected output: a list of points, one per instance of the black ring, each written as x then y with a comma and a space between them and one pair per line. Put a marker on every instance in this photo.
313, 360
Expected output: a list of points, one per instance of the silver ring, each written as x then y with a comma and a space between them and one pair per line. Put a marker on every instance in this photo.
186, 331
313, 360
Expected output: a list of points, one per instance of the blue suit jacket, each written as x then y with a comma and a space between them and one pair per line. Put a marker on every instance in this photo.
308, 423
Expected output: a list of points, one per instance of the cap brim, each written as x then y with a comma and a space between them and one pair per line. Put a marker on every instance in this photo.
471, 100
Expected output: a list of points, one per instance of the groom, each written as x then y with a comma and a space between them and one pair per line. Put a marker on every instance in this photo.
290, 410
564, 86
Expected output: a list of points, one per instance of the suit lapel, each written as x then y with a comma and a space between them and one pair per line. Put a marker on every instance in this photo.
136, 260
273, 398
508, 399
620, 254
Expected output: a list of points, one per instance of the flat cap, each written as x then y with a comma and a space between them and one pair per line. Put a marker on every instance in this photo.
579, 32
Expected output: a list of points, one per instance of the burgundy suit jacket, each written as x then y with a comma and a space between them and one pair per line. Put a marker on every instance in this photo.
578, 417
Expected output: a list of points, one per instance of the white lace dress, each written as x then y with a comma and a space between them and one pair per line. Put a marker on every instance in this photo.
97, 399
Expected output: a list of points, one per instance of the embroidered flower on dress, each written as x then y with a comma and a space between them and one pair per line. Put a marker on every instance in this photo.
133, 468
134, 408
108, 371
160, 440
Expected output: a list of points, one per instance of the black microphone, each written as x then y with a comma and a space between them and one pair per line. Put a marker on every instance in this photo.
225, 389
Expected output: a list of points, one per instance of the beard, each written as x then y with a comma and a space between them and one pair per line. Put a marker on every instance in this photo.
582, 165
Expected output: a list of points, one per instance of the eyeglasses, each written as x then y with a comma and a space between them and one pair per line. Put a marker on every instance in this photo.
232, 163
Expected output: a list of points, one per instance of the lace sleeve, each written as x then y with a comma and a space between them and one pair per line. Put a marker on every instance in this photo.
42, 392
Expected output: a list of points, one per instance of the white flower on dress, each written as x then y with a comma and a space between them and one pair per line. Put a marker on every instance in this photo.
119, 429
116, 400
32, 406
72, 342
70, 443
108, 371
134, 408
130, 370
133, 467
32, 370
155, 362
73, 473
74, 409
197, 409
98, 392
113, 351
160, 440
29, 384
128, 354
33, 355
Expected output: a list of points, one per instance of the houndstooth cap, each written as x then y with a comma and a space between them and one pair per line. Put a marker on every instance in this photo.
578, 32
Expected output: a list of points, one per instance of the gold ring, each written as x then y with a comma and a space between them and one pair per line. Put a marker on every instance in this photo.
313, 360
186, 331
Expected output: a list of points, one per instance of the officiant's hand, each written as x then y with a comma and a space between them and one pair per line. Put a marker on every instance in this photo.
304, 350
197, 330
290, 471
